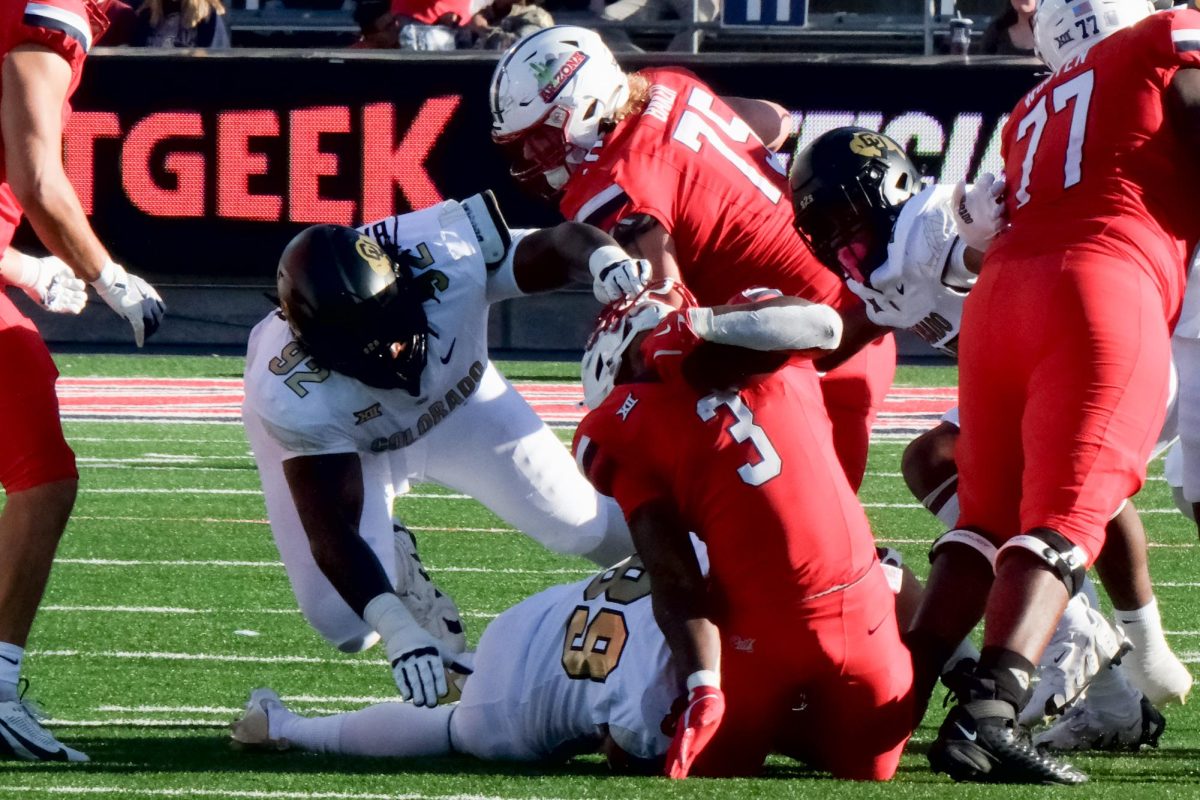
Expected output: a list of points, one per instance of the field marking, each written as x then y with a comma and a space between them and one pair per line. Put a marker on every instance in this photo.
247, 794
227, 658
133, 562
184, 611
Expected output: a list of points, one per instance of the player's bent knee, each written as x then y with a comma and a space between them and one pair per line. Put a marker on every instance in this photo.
963, 540
1065, 559
928, 460
49, 503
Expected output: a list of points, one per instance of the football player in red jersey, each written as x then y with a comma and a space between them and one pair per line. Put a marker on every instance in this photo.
43, 44
750, 462
1063, 369
684, 178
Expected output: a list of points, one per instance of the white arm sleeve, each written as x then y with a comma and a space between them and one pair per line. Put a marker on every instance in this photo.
501, 282
792, 327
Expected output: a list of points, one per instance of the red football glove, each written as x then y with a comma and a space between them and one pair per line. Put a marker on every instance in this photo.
694, 730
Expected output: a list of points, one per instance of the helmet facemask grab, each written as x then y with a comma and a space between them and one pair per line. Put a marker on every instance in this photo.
553, 96
617, 329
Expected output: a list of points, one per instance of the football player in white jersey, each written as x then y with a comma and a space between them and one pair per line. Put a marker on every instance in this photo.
375, 372
928, 249
574, 669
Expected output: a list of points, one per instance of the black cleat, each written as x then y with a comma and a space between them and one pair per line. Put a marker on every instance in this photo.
980, 741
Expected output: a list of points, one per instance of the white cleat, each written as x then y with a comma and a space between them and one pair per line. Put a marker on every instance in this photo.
23, 736
1083, 644
432, 608
1163, 680
253, 728
1122, 726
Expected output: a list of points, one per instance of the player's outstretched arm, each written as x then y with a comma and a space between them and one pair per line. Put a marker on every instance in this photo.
328, 493
574, 251
35, 81
679, 593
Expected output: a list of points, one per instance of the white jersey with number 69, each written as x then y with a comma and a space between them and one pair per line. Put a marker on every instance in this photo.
313, 411
556, 671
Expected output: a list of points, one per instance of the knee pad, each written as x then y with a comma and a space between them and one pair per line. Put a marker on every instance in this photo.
971, 539
1065, 558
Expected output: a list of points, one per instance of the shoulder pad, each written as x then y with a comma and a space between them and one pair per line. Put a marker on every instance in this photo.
924, 232
490, 228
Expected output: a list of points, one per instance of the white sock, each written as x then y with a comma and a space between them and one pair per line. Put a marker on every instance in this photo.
1144, 628
387, 729
10, 670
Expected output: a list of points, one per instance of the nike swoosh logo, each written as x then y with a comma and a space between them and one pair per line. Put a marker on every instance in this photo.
969, 735
1057, 658
446, 358
41, 753
9, 660
900, 289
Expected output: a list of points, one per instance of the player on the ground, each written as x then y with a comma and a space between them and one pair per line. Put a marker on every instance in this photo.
375, 373
43, 46
1065, 356
929, 247
574, 669
684, 178
692, 430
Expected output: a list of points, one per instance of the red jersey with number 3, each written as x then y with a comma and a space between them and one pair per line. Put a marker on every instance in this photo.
64, 26
753, 473
696, 167
1092, 162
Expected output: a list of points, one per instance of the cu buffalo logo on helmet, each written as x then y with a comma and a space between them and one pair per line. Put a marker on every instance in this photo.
872, 145
373, 254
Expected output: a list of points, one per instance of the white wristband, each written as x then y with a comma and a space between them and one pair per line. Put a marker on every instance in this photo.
108, 275
392, 620
601, 257
30, 268
703, 677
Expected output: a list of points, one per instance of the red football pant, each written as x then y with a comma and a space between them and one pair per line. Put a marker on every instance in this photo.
33, 451
829, 684
854, 392
1063, 386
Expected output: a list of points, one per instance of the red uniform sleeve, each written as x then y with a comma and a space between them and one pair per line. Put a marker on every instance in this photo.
64, 26
608, 449
1175, 37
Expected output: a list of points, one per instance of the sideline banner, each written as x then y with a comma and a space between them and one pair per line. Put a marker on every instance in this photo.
200, 168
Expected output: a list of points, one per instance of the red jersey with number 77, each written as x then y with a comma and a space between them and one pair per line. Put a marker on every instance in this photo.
1093, 163
752, 472
692, 164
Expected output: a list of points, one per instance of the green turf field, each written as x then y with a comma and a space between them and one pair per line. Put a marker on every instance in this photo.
167, 606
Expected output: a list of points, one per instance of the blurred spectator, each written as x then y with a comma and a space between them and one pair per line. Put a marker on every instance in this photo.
182, 23
380, 28
654, 11
499, 25
122, 24
1011, 31
451, 13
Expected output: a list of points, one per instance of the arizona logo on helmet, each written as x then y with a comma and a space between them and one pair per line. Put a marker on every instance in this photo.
554, 75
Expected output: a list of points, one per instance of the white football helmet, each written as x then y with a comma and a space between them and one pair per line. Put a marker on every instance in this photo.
618, 325
550, 94
1063, 29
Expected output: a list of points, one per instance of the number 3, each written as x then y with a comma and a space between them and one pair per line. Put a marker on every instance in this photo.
743, 428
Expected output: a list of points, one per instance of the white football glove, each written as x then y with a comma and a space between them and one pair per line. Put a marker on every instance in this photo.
979, 211
50, 283
894, 304
132, 298
615, 274
418, 665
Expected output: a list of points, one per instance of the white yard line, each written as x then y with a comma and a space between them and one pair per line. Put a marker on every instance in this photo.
131, 562
169, 610
226, 658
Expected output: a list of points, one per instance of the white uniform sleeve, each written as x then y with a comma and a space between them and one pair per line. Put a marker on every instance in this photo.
501, 282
